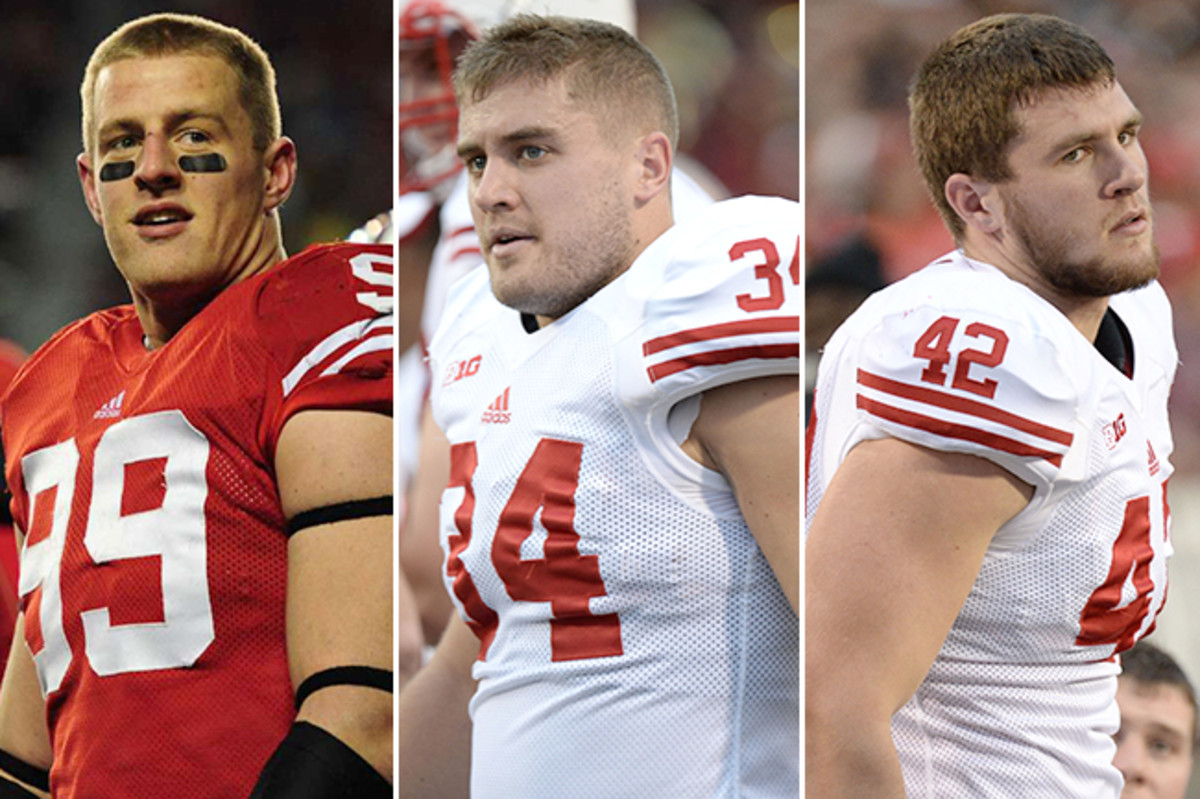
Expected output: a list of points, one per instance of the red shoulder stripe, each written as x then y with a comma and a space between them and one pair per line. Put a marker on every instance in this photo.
747, 327
963, 405
951, 430
713, 357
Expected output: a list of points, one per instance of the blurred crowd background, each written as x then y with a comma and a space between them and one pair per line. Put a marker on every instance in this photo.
735, 68
868, 219
333, 63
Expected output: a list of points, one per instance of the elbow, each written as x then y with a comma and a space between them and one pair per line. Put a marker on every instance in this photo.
360, 717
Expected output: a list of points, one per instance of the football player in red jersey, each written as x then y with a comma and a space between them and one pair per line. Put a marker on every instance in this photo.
11, 358
203, 476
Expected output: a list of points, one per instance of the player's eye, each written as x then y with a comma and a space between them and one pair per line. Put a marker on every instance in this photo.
195, 137
1075, 155
123, 142
476, 163
1160, 747
531, 152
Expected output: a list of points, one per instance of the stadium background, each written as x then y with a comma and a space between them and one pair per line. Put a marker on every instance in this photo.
868, 219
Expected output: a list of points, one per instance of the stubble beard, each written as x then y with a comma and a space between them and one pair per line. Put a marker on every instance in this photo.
1051, 255
572, 272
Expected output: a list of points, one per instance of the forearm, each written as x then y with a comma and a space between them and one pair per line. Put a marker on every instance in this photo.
847, 757
408, 634
434, 727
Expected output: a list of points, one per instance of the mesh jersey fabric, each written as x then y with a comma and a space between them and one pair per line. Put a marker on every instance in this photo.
1020, 700
634, 640
154, 568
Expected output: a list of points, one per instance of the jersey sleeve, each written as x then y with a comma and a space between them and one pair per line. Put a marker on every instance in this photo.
728, 305
457, 253
719, 300
327, 323
970, 381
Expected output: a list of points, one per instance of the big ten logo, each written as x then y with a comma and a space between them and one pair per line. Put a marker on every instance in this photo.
460, 369
1114, 431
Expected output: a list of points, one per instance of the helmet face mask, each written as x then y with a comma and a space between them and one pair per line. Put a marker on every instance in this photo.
431, 37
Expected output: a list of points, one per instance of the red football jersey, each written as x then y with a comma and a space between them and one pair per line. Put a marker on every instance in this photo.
154, 568
11, 358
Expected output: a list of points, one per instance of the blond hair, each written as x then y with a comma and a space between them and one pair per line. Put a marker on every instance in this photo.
601, 63
159, 35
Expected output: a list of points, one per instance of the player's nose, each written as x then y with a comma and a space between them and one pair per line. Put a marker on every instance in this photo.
156, 166
495, 187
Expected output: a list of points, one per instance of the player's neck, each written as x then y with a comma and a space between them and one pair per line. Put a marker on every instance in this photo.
164, 313
651, 222
1084, 312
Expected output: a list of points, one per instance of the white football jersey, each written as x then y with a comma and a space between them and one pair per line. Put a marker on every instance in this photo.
634, 640
958, 357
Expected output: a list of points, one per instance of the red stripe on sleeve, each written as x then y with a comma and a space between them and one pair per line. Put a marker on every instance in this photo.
951, 430
712, 357
747, 327
465, 251
963, 405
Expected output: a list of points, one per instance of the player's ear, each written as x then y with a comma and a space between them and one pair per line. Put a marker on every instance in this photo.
87, 180
977, 202
280, 163
654, 159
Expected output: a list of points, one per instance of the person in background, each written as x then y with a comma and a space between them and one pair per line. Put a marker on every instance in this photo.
1157, 741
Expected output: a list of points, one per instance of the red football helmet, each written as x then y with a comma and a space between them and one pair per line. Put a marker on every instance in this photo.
432, 34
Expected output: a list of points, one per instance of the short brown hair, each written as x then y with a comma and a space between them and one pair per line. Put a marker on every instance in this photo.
964, 99
159, 35
1147, 664
602, 63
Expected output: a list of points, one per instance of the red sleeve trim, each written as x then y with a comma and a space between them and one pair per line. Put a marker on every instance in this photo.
962, 405
951, 430
748, 327
714, 357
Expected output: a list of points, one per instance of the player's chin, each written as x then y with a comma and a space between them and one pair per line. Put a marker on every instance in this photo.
533, 300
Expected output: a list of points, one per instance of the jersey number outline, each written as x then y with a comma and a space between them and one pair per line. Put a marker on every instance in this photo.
934, 346
364, 267
563, 577
768, 270
175, 532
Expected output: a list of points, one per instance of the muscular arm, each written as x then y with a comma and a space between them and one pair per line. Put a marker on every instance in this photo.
420, 551
891, 555
434, 729
339, 601
750, 432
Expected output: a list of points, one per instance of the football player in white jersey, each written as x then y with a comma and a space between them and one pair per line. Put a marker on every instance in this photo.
432, 35
622, 398
987, 523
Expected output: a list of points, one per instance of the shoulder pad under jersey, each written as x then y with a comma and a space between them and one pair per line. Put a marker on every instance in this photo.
961, 358
722, 297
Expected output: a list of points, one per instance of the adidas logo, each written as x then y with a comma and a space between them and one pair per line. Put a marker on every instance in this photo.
110, 409
497, 412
